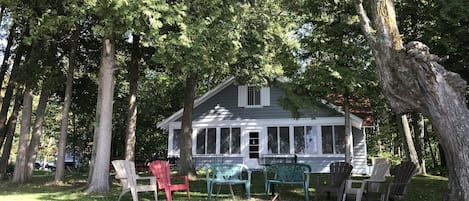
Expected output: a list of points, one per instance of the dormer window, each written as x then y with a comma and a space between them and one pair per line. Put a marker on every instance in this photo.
253, 96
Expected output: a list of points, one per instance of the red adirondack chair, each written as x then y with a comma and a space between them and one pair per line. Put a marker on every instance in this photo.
161, 171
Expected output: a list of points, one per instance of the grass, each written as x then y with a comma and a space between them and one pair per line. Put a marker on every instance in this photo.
42, 187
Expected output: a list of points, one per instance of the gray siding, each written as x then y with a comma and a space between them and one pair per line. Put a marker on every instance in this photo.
224, 106
359, 152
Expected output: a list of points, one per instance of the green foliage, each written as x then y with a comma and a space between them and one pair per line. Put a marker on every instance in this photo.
442, 25
335, 60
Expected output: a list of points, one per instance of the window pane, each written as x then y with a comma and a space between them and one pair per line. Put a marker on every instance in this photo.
272, 140
327, 139
311, 140
200, 149
176, 133
211, 141
254, 95
299, 139
225, 141
339, 135
284, 140
235, 140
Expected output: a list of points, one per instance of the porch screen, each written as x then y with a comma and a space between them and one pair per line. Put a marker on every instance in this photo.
333, 139
305, 139
278, 140
176, 133
206, 141
230, 141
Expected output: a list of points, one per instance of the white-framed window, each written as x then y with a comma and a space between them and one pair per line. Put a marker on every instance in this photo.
228, 139
278, 140
253, 96
206, 141
305, 139
333, 139
176, 133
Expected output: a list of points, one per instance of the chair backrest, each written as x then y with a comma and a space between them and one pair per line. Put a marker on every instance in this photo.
125, 171
290, 172
402, 177
226, 171
378, 174
380, 170
339, 172
160, 169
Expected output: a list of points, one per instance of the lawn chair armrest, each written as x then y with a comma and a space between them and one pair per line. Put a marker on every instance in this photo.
321, 177
151, 178
350, 182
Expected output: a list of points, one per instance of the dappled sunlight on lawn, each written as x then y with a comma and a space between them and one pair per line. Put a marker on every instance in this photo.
428, 188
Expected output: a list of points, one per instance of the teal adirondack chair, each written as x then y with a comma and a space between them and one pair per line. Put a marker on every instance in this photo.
228, 174
287, 173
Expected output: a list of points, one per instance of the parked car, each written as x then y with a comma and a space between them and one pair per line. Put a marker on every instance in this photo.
37, 165
50, 166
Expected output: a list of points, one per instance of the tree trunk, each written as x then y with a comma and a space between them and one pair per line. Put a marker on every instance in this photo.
33, 148
9, 93
19, 175
412, 80
132, 109
430, 146
10, 131
406, 136
100, 178
348, 132
6, 53
186, 166
95, 135
5, 107
419, 139
60, 163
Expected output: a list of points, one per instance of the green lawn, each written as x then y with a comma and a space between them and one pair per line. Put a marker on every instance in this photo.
428, 188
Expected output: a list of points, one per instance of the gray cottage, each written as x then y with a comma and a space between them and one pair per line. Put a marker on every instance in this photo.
245, 124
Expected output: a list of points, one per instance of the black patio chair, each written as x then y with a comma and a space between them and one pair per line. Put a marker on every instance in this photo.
339, 173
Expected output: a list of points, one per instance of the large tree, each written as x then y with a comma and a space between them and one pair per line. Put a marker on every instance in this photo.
335, 63
413, 80
114, 18
99, 181
217, 39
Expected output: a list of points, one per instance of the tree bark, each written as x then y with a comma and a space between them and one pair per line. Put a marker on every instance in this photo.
10, 131
60, 163
19, 175
419, 139
348, 132
435, 159
132, 109
186, 166
406, 136
100, 178
412, 80
7, 52
33, 147
9, 93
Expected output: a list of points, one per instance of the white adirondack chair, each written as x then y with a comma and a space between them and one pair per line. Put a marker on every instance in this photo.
378, 175
126, 174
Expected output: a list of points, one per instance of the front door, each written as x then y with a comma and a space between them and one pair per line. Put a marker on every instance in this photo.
253, 150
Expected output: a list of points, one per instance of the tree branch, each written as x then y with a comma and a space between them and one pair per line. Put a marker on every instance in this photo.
368, 31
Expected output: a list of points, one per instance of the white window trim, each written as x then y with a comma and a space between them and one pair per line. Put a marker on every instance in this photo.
243, 97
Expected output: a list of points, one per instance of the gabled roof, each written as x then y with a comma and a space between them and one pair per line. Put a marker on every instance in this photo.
227, 82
